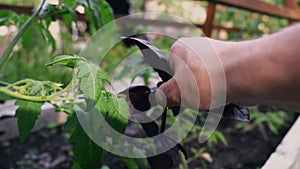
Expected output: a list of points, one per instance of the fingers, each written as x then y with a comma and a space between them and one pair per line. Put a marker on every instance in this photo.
168, 93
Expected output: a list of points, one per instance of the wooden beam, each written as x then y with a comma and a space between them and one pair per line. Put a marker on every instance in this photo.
129, 21
164, 23
17, 9
261, 7
209, 22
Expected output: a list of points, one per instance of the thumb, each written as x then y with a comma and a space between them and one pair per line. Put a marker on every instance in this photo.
168, 93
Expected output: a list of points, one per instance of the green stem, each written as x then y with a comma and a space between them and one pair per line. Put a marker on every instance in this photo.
19, 82
32, 98
4, 83
53, 97
50, 14
19, 34
68, 87
184, 161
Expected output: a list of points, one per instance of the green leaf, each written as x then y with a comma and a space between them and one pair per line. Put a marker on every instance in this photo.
222, 138
76, 165
117, 109
98, 13
273, 128
276, 119
101, 74
66, 60
4, 97
8, 16
87, 153
92, 79
106, 12
50, 38
70, 124
88, 15
69, 3
27, 38
130, 163
74, 16
27, 113
104, 167
67, 18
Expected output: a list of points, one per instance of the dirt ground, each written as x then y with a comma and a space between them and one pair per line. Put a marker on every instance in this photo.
49, 148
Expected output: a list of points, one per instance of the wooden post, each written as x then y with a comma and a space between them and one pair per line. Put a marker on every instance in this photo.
292, 5
209, 22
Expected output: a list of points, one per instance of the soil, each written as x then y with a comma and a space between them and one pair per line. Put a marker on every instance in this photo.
245, 149
49, 148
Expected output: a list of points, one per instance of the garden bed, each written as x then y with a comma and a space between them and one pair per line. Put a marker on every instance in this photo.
49, 148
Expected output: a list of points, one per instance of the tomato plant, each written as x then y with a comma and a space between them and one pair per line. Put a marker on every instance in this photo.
31, 94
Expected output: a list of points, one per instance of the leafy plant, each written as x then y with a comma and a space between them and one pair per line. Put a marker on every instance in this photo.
89, 78
273, 121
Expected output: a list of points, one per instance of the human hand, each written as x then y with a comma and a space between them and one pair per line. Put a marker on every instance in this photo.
197, 70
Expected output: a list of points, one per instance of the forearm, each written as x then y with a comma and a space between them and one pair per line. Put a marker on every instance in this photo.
265, 70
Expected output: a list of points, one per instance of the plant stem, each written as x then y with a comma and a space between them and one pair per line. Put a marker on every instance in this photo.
53, 97
68, 87
32, 98
19, 82
50, 14
184, 161
263, 131
4, 83
19, 34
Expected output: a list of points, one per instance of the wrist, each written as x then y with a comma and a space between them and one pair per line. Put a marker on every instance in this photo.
234, 58
244, 70
226, 54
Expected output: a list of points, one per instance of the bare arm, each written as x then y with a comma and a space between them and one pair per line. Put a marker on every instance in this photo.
268, 70
260, 71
